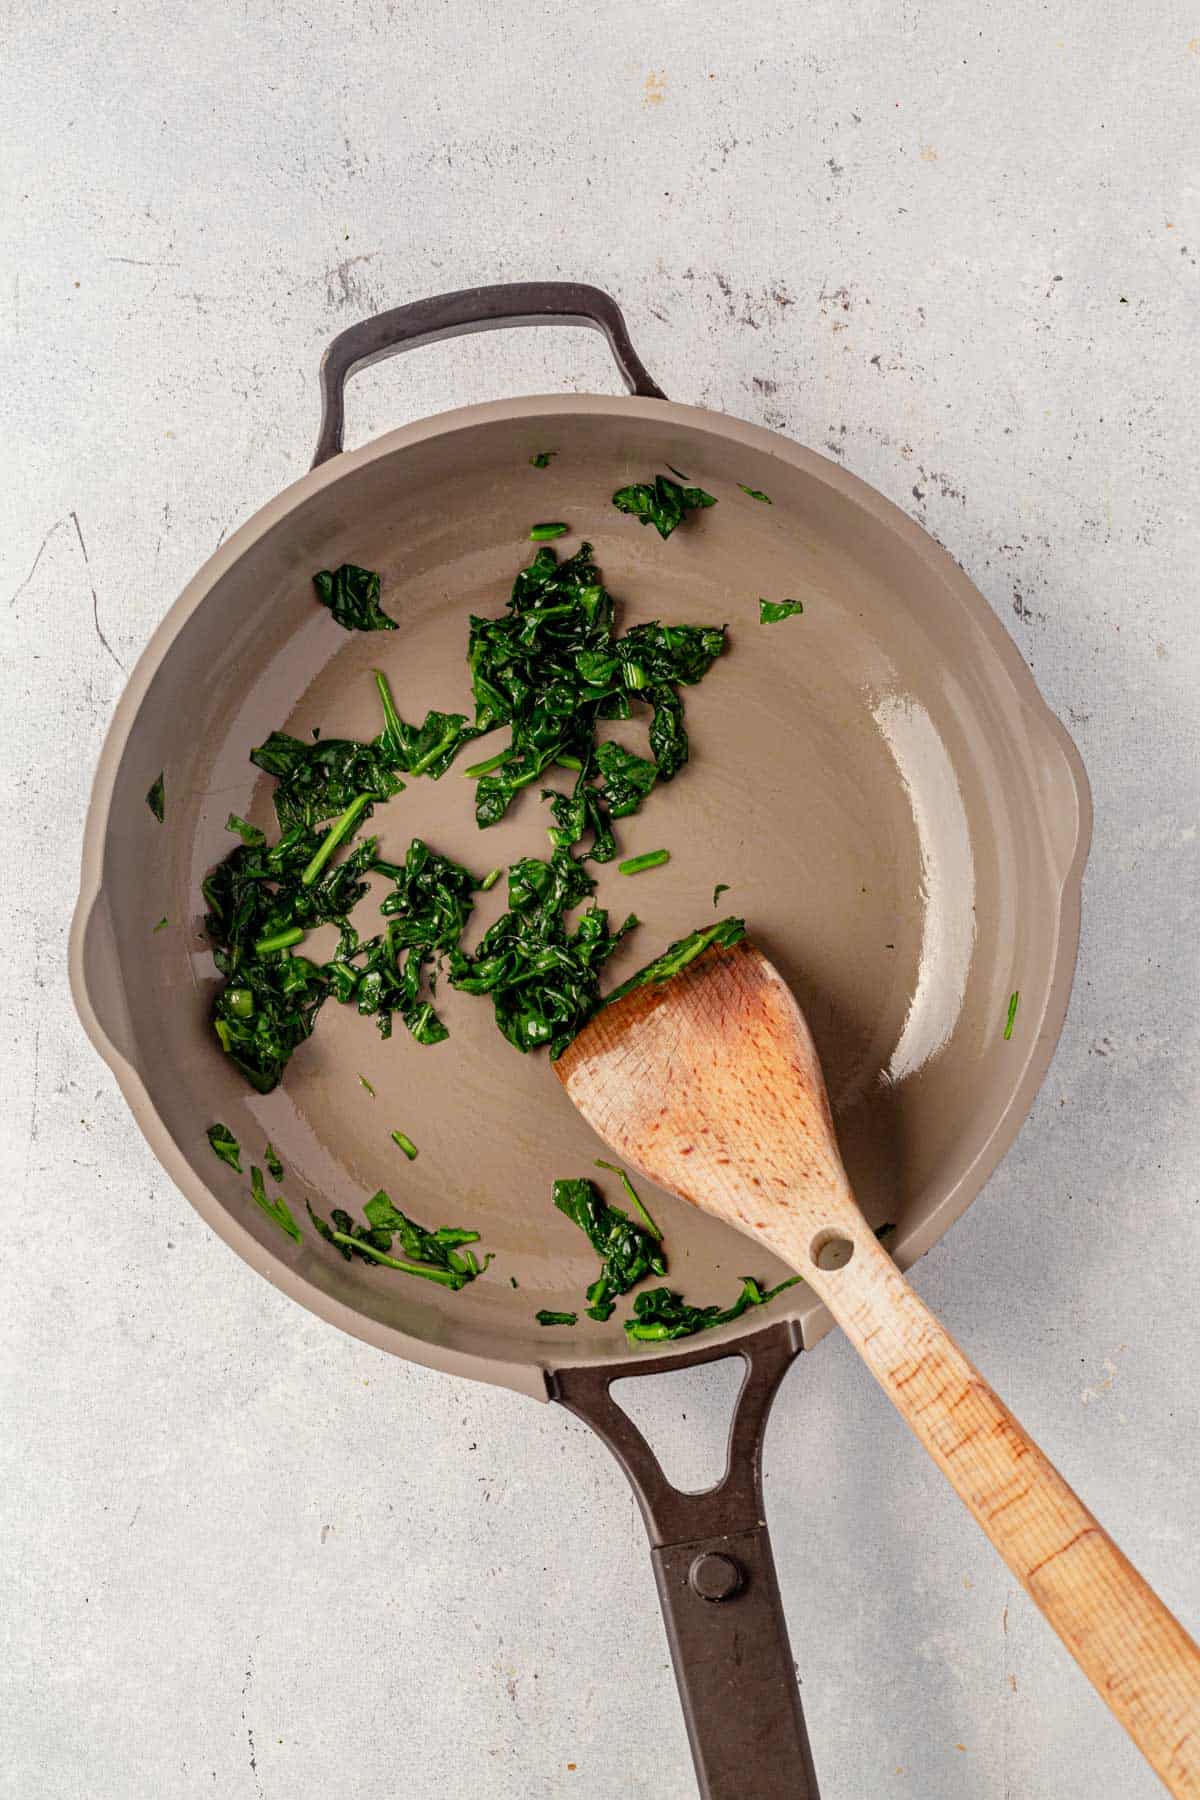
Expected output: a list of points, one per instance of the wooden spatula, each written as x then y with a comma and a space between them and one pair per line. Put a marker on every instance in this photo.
709, 1083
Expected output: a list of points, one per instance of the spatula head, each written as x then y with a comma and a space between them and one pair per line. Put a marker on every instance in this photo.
709, 1084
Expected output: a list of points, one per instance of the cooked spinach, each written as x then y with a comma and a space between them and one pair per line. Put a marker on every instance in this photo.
722, 887
546, 1317
352, 596
318, 781
544, 977
1014, 1000
405, 1143
156, 798
276, 1210
271, 1158
771, 611
650, 859
225, 1145
363, 1082
539, 534
427, 911
426, 749
662, 502
432, 1255
542, 459
162, 923
661, 1313
632, 1195
553, 669
627, 1251
755, 493
679, 954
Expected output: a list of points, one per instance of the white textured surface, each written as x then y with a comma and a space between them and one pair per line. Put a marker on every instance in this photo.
243, 1555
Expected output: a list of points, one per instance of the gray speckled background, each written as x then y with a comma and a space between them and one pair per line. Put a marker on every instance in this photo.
243, 1555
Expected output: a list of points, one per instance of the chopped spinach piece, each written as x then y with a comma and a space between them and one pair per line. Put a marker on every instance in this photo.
249, 834
650, 859
433, 1255
405, 1143
156, 799
539, 534
1014, 1000
542, 459
632, 1194
771, 611
679, 954
544, 978
363, 1082
552, 669
427, 911
162, 923
556, 1318
755, 493
489, 881
662, 502
277, 1210
271, 1158
318, 781
225, 1145
426, 749
661, 1313
627, 1251
722, 887
352, 596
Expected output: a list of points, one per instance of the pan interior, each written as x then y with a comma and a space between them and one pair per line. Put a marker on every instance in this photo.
869, 779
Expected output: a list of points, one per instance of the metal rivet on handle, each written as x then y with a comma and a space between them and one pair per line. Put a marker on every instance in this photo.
715, 1577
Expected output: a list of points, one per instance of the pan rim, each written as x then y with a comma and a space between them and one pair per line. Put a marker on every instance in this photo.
525, 1375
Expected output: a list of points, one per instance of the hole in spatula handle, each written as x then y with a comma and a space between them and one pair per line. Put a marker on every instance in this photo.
830, 1250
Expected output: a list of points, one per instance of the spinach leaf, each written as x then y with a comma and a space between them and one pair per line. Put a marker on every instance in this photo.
679, 954
627, 1251
1014, 1000
274, 1166
551, 669
427, 909
249, 834
722, 887
317, 781
156, 798
771, 611
225, 1145
540, 533
403, 1142
542, 459
162, 923
755, 493
556, 1318
352, 596
544, 978
662, 502
633, 1196
427, 749
661, 1313
276, 1210
432, 1255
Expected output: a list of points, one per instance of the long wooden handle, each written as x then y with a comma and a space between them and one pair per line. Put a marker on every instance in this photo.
1138, 1657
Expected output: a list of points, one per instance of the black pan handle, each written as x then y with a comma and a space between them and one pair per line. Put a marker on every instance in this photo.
716, 1578
454, 315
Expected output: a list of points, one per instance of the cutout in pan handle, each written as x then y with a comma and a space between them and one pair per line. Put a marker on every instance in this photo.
716, 1576
456, 315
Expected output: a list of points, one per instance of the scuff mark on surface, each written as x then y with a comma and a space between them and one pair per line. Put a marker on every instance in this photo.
37, 559
654, 91
342, 287
74, 517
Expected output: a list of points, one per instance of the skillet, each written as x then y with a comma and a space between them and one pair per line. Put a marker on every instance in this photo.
895, 810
